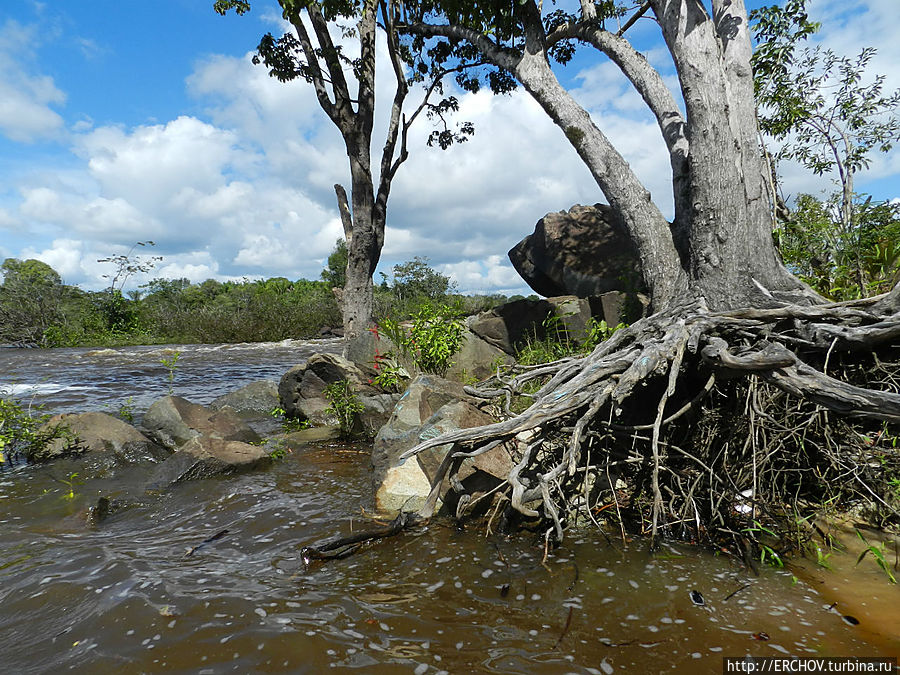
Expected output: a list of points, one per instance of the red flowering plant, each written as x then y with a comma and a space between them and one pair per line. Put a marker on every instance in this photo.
390, 374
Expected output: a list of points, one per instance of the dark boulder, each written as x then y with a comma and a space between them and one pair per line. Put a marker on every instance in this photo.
302, 388
584, 251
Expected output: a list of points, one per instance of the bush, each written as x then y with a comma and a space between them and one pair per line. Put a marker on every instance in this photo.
344, 405
21, 435
431, 341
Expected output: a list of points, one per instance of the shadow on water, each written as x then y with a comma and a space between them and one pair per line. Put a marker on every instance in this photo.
123, 596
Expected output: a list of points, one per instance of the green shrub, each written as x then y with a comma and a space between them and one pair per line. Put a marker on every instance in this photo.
432, 339
21, 433
344, 405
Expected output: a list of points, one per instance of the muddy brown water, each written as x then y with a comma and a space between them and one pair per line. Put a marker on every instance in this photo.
122, 597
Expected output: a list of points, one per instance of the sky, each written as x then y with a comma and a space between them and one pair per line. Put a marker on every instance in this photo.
133, 121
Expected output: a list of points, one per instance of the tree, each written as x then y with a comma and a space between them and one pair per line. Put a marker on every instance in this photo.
842, 263
31, 296
819, 108
335, 273
316, 58
416, 279
718, 173
698, 405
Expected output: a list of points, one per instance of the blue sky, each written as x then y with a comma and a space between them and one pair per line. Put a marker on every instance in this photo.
122, 122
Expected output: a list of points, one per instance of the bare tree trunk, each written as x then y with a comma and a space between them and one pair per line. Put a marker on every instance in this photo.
729, 252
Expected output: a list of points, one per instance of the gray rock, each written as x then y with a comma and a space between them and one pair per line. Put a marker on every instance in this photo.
425, 395
205, 457
583, 251
301, 389
377, 409
476, 358
172, 421
574, 314
432, 406
100, 433
508, 326
260, 396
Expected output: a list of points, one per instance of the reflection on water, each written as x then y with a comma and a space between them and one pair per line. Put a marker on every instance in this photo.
122, 597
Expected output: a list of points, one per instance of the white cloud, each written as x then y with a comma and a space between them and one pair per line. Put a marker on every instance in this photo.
26, 97
63, 255
245, 188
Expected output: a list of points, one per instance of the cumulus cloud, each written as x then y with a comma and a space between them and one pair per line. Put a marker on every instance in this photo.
244, 186
27, 97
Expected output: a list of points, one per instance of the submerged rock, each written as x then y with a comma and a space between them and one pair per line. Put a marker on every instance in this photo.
205, 457
258, 397
172, 421
99, 432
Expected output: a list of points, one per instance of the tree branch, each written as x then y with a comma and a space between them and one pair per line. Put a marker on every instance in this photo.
499, 56
316, 75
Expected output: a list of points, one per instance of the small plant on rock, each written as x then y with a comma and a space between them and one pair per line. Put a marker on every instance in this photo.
21, 431
171, 364
289, 424
345, 405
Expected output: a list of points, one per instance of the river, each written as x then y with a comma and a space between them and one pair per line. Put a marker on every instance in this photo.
123, 597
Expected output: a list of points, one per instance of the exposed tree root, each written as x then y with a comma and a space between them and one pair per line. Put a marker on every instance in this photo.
714, 427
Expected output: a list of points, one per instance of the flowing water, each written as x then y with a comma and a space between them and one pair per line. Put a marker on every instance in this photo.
124, 597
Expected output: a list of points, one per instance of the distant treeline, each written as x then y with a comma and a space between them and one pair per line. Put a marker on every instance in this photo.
37, 308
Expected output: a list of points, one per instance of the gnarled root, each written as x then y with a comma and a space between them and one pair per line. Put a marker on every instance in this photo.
703, 425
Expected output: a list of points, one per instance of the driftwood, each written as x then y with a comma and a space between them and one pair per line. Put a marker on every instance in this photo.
700, 423
335, 549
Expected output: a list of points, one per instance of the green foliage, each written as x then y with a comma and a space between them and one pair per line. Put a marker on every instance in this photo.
390, 374
171, 364
70, 481
555, 343
289, 424
345, 405
125, 411
335, 274
431, 340
842, 263
767, 554
279, 452
21, 431
877, 553
31, 297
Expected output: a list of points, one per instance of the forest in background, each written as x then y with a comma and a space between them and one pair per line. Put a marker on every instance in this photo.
38, 309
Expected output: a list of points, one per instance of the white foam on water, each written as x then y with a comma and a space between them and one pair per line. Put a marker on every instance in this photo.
9, 389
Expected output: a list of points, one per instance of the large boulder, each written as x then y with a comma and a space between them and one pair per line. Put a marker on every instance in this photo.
205, 457
509, 325
257, 397
99, 432
476, 358
172, 421
377, 409
432, 406
302, 388
424, 396
583, 251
